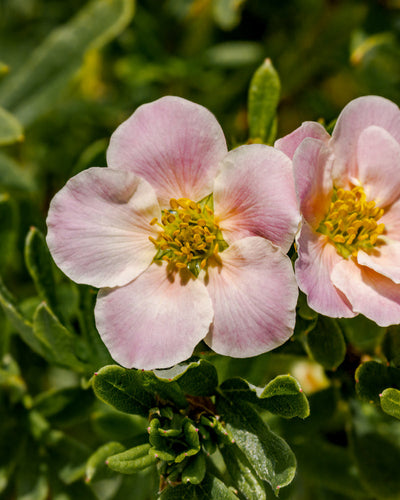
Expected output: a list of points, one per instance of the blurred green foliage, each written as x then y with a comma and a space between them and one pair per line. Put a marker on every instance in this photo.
70, 72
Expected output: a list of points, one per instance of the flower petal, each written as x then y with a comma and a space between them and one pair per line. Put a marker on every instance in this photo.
174, 144
292, 141
378, 156
370, 293
155, 321
254, 296
391, 219
312, 164
317, 258
355, 117
384, 259
254, 195
99, 224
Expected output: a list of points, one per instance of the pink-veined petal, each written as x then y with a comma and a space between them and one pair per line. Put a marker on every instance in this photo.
292, 141
317, 258
174, 144
312, 164
378, 156
155, 321
384, 259
254, 195
369, 293
254, 295
99, 224
355, 117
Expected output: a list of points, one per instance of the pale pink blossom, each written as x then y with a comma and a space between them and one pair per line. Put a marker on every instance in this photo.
349, 191
175, 265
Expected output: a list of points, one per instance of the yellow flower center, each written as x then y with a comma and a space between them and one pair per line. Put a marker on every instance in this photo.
351, 223
190, 236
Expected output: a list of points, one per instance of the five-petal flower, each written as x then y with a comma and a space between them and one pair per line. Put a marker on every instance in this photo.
185, 240
349, 191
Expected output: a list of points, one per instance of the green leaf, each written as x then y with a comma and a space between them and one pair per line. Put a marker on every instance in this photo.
8, 228
377, 460
123, 389
111, 424
39, 264
96, 464
167, 391
197, 378
10, 128
282, 396
13, 177
59, 344
211, 488
372, 378
227, 13
21, 324
390, 402
362, 332
31, 478
269, 454
326, 344
195, 471
243, 474
264, 93
131, 461
32, 89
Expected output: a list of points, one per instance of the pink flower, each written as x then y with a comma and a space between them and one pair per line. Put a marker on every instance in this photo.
174, 264
349, 191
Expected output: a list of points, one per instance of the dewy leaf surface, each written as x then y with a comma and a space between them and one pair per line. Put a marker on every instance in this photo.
123, 389
269, 454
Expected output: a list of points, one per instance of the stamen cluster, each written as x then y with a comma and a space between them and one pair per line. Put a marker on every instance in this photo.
351, 222
190, 236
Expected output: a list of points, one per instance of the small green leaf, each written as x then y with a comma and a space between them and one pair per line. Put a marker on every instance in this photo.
195, 471
10, 129
372, 378
326, 343
269, 454
192, 439
39, 264
96, 464
264, 93
59, 344
390, 402
115, 425
167, 391
243, 474
282, 396
131, 461
197, 378
13, 177
123, 389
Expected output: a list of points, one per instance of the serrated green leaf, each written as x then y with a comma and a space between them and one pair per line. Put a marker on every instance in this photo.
33, 89
372, 378
195, 471
39, 265
123, 389
264, 94
377, 459
390, 402
96, 464
326, 344
282, 396
197, 378
10, 129
243, 474
269, 454
131, 461
59, 344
